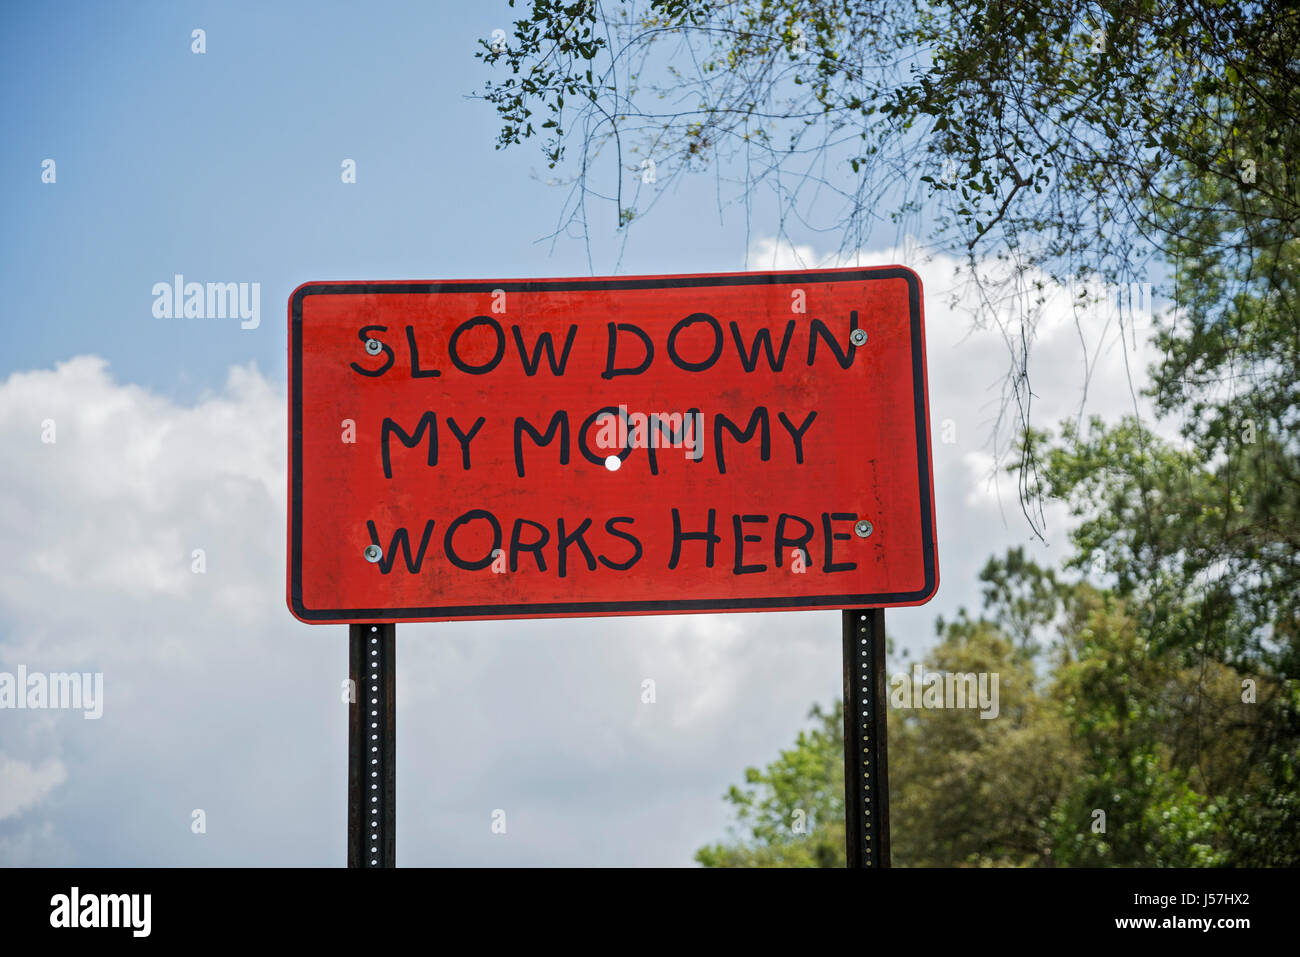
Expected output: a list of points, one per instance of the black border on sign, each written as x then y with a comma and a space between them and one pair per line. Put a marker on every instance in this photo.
578, 609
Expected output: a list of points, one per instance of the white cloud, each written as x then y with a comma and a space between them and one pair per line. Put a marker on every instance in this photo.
766, 252
22, 785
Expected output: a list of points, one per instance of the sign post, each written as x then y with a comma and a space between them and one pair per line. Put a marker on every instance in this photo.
372, 746
866, 759
732, 442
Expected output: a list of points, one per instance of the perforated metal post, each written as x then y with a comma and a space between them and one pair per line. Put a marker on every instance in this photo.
372, 747
866, 765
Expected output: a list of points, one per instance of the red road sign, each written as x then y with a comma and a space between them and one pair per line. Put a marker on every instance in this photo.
609, 446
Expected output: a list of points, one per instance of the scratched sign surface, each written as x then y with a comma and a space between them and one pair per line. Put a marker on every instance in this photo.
607, 446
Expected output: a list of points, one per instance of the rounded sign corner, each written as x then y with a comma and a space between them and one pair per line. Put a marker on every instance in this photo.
301, 612
300, 292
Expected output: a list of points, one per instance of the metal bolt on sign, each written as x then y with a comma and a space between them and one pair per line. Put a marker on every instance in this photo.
374, 347
863, 528
858, 337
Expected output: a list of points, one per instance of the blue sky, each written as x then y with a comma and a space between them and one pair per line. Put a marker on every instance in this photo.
225, 167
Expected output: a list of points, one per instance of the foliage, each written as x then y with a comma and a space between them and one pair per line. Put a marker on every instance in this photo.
1106, 751
1057, 141
806, 780
1199, 528
1027, 113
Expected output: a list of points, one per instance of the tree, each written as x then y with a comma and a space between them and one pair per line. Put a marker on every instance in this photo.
791, 814
1088, 102
1106, 750
1053, 141
1141, 781
972, 791
1201, 533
